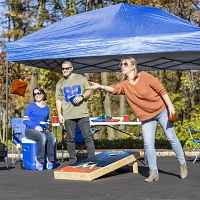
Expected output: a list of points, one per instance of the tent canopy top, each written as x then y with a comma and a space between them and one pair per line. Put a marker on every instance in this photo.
95, 41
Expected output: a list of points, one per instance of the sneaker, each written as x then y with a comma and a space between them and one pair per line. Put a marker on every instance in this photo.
49, 165
39, 165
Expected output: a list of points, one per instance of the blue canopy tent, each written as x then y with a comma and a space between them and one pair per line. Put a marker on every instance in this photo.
95, 41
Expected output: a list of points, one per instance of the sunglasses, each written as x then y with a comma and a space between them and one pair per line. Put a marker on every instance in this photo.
66, 68
123, 64
37, 93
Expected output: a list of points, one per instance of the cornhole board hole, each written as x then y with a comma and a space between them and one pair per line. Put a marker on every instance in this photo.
98, 165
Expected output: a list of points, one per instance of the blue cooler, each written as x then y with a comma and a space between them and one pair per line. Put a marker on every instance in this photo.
29, 152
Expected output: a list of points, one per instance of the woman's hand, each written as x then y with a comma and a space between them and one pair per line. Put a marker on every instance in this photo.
94, 86
169, 105
102, 87
171, 110
38, 128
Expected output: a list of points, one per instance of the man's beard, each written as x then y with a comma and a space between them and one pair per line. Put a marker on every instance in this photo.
66, 77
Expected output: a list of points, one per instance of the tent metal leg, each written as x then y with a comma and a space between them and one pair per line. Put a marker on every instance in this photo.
7, 109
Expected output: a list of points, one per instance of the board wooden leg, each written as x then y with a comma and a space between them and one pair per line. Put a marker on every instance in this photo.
135, 167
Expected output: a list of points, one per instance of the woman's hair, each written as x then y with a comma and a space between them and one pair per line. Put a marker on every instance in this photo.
133, 62
42, 91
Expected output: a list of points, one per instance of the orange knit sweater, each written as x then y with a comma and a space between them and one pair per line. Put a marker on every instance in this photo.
145, 97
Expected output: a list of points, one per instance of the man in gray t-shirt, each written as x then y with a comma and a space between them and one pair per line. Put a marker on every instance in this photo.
76, 112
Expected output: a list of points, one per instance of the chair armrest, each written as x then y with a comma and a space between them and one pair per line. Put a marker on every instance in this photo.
192, 129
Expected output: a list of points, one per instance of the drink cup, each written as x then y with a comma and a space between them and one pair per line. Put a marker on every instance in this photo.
55, 119
43, 125
173, 118
126, 118
72, 99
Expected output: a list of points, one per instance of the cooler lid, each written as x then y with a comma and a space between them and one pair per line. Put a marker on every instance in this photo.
25, 140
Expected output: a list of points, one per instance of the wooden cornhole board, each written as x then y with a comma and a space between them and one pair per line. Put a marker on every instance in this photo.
98, 165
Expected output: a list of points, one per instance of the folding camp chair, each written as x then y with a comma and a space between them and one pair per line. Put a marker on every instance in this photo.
29, 149
79, 140
192, 133
18, 132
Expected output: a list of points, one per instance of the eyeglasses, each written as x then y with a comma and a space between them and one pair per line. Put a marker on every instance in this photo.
37, 93
123, 64
66, 68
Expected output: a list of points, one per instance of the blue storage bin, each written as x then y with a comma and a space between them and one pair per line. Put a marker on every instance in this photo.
29, 152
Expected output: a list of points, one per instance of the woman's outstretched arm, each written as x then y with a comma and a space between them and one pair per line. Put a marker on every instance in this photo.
102, 87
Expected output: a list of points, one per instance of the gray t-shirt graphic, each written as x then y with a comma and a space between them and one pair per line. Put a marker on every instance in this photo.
65, 88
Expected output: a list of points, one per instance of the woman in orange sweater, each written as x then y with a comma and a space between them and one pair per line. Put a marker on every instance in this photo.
151, 104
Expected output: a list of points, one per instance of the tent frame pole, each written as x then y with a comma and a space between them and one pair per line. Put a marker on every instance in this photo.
7, 108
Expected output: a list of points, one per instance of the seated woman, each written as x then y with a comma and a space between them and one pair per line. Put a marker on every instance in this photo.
36, 113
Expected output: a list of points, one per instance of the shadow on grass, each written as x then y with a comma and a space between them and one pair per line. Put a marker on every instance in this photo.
127, 143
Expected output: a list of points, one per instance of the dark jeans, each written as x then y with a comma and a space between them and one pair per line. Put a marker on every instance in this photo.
44, 140
84, 125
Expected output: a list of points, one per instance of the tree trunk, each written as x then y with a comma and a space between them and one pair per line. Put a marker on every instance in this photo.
3, 128
192, 94
87, 76
33, 83
107, 105
40, 13
71, 7
39, 23
121, 110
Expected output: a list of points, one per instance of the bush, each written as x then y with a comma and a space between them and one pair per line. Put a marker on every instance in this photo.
128, 143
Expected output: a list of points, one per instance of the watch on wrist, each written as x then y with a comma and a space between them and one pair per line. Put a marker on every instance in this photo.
82, 97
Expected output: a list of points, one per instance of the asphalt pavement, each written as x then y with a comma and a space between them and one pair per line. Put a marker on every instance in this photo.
18, 184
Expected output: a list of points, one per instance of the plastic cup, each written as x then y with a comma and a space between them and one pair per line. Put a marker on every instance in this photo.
55, 119
173, 118
126, 118
72, 98
43, 125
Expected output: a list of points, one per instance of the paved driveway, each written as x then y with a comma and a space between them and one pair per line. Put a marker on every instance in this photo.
18, 184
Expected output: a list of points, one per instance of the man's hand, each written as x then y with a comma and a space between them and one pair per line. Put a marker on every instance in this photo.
78, 99
61, 119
